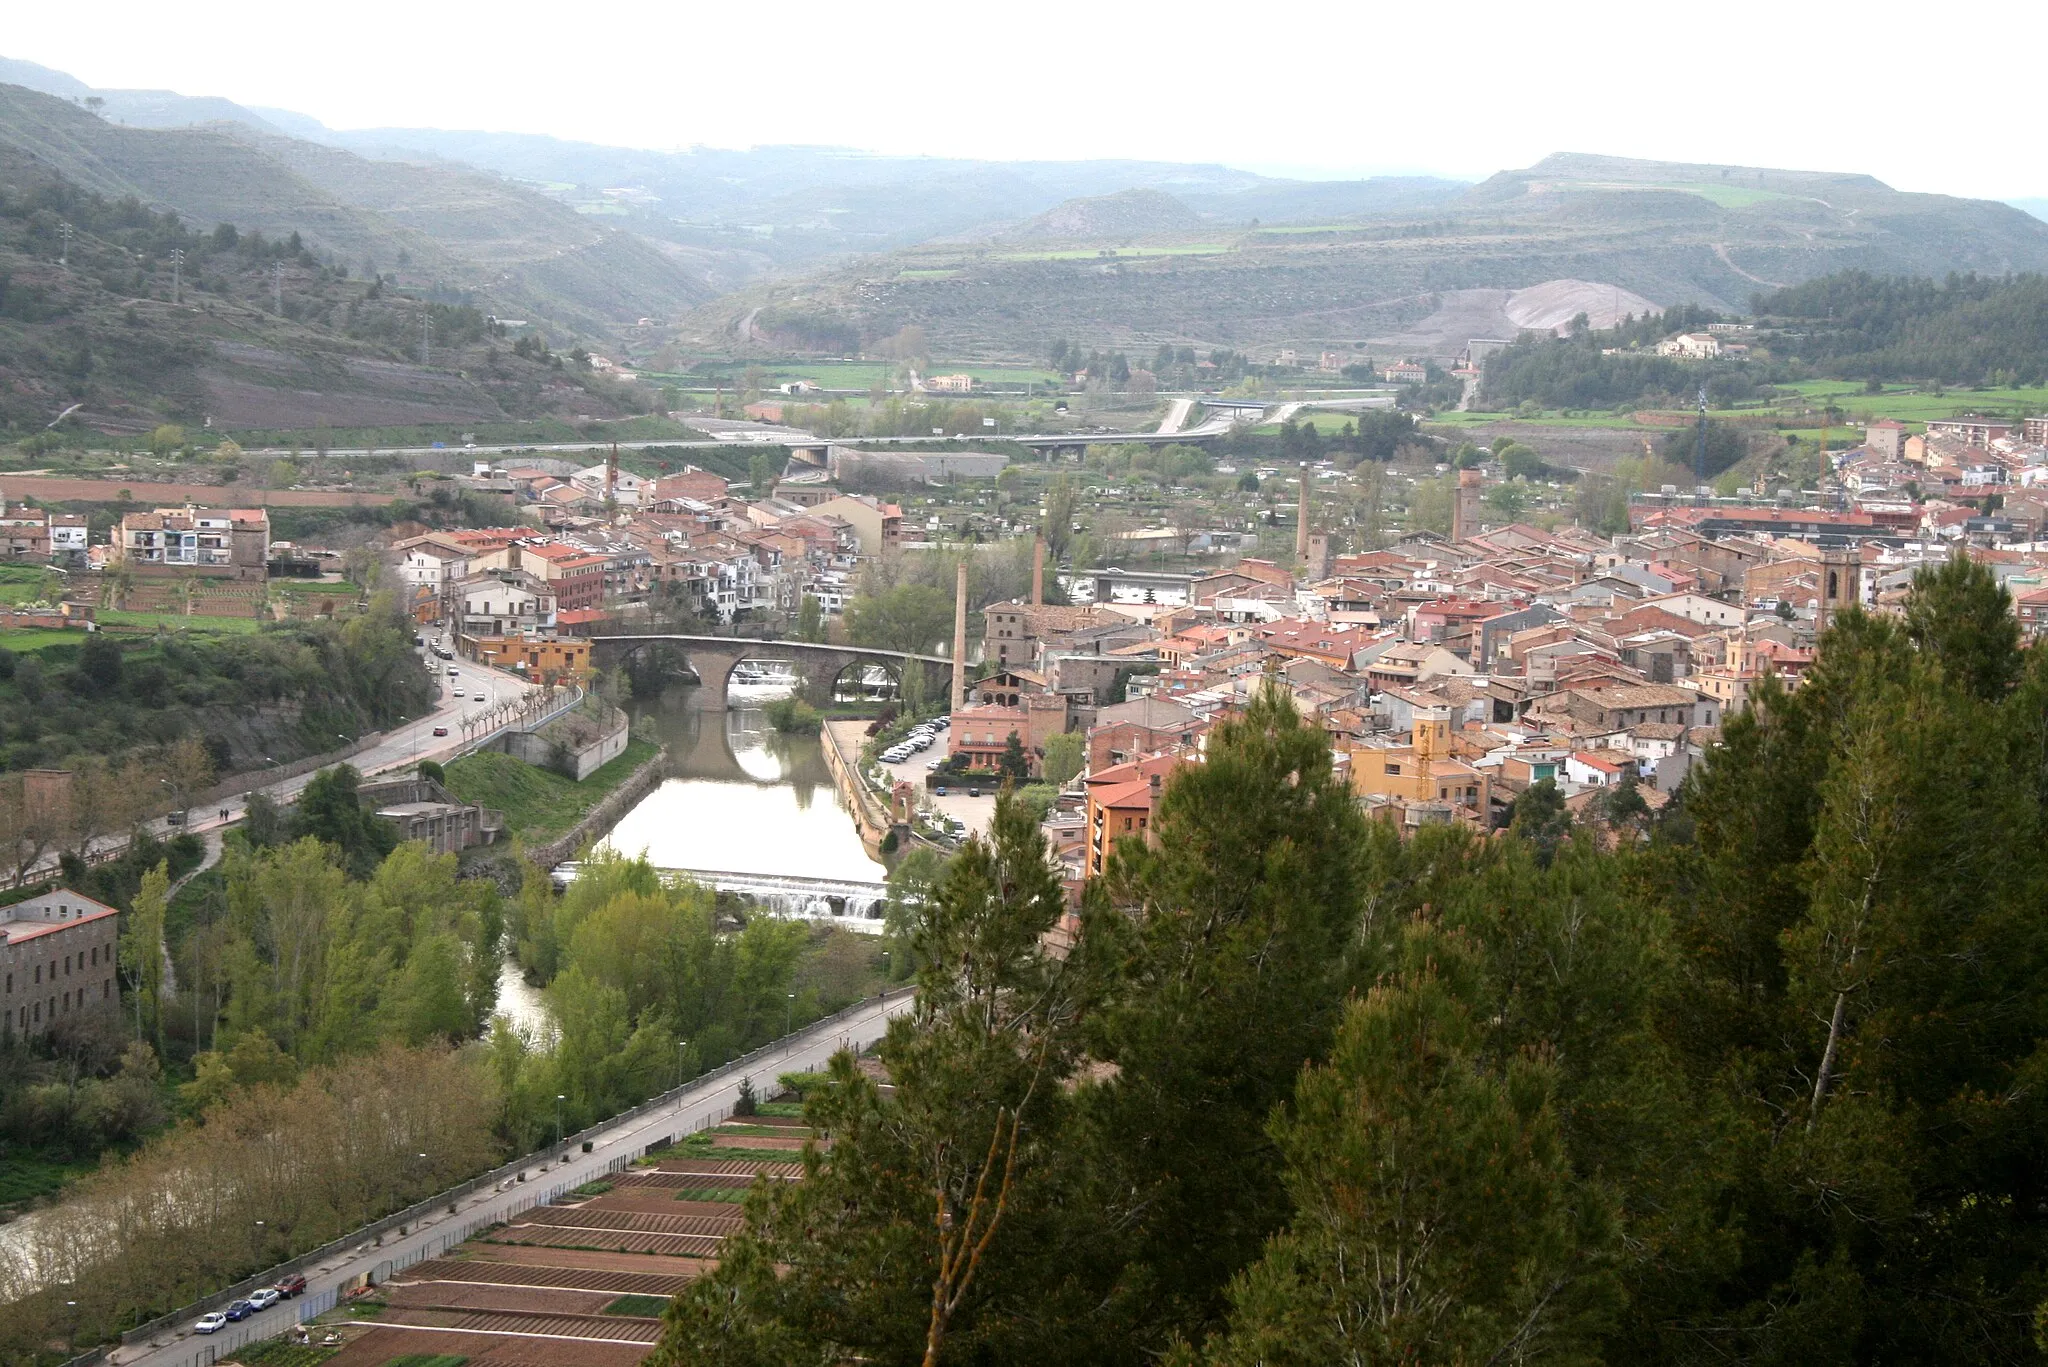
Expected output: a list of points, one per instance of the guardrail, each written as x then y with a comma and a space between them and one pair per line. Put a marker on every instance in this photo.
514, 1171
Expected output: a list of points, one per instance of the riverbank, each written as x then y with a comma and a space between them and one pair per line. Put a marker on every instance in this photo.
871, 816
540, 804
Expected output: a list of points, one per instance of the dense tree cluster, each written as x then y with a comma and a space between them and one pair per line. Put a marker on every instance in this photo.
101, 698
1966, 329
1762, 1087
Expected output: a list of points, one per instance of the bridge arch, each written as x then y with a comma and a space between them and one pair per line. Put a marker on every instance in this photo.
713, 659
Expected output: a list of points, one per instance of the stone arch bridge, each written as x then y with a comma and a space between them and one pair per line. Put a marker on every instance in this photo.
713, 658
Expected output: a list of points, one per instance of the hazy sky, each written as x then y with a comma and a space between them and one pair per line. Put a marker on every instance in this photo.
1926, 100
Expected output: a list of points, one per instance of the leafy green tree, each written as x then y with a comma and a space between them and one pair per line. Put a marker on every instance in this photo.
1540, 817
142, 952
810, 620
1624, 807
923, 1189
1065, 754
1014, 763
909, 617
1436, 1216
1961, 615
329, 810
1219, 954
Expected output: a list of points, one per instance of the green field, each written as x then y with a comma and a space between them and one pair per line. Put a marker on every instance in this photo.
1905, 404
178, 621
538, 803
642, 1307
29, 639
29, 583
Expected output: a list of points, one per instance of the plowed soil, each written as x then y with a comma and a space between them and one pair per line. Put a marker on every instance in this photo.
442, 1275
583, 1258
603, 1328
441, 1295
486, 1350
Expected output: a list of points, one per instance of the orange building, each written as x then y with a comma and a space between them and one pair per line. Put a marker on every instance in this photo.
1120, 803
542, 659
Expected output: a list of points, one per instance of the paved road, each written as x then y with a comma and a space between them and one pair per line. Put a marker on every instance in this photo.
399, 748
696, 1108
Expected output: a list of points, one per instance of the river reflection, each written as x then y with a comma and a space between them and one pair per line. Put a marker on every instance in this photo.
743, 799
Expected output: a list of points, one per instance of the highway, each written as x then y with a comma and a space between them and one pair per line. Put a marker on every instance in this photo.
694, 1109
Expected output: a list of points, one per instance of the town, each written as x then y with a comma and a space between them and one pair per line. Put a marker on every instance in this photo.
688, 730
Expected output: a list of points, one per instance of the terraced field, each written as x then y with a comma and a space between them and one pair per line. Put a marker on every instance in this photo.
549, 1287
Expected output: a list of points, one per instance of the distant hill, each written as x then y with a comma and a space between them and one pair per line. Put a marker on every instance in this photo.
1128, 213
443, 228
142, 108
1416, 278
101, 337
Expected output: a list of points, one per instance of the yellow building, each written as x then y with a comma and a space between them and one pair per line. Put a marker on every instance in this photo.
1420, 770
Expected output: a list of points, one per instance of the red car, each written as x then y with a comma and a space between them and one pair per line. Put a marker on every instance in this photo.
440, 730
293, 1285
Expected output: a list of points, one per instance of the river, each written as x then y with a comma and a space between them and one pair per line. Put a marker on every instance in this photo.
743, 799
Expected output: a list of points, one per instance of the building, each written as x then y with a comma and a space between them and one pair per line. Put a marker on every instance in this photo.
56, 962
2034, 431
1119, 805
1886, 439
68, 537
950, 384
1970, 431
506, 603
540, 658
1690, 346
224, 543
575, 576
24, 533
423, 810
877, 526
1405, 372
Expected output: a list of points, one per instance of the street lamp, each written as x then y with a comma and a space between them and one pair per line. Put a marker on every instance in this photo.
559, 1099
789, 1016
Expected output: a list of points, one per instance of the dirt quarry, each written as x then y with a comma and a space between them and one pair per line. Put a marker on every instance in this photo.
1462, 315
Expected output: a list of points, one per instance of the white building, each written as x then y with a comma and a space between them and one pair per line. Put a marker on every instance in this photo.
1690, 346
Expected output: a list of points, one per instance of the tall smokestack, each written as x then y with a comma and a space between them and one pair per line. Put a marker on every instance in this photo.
960, 635
1301, 518
1038, 572
611, 476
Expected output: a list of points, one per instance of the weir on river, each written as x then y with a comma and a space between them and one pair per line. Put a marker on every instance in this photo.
749, 811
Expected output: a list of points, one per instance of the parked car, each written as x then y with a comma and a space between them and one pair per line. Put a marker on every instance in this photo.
240, 1310
210, 1324
974, 792
933, 764
939, 791
264, 1297
294, 1285
440, 730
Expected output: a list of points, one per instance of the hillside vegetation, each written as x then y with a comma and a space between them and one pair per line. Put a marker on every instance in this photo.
445, 229
263, 332
1668, 232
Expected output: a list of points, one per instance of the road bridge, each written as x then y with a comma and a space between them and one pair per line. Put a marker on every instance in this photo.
713, 658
